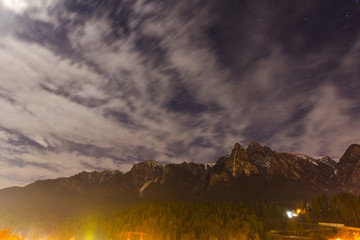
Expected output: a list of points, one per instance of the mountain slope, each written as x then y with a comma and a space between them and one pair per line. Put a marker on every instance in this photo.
349, 170
255, 173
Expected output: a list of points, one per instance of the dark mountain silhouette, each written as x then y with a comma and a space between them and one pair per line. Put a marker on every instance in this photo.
348, 170
255, 173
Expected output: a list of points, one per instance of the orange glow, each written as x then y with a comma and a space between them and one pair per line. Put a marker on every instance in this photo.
298, 211
353, 236
7, 235
135, 233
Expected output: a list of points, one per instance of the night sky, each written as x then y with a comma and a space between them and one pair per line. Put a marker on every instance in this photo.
93, 84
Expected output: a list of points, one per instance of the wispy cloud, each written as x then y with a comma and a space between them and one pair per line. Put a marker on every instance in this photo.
95, 85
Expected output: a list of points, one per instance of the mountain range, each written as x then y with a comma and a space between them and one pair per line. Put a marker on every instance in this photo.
255, 173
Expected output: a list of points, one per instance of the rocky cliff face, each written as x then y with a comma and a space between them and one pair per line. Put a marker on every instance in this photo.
85, 182
348, 170
270, 175
255, 173
145, 173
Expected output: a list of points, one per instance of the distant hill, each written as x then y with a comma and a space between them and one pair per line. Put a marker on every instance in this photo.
255, 173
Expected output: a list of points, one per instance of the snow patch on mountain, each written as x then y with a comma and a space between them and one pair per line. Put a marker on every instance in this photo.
142, 189
307, 158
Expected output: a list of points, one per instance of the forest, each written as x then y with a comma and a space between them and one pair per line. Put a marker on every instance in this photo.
187, 221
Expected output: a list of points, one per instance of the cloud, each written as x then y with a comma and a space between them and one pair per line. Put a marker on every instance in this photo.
326, 129
96, 85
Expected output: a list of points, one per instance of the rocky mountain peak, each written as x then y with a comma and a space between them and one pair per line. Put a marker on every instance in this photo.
254, 146
150, 163
235, 164
254, 173
238, 150
146, 172
328, 161
349, 169
194, 168
86, 181
260, 155
351, 155
146, 166
95, 174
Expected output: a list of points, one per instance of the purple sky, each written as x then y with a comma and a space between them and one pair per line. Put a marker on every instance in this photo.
92, 85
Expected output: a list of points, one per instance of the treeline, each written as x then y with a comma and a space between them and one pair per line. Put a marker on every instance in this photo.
340, 208
189, 221
161, 221
172, 221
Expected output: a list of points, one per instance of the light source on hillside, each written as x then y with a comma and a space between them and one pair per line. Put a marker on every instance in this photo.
135, 233
291, 214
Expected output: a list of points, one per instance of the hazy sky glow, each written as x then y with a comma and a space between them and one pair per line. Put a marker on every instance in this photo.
92, 85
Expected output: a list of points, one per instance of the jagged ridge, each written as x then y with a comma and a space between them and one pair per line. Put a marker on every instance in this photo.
255, 173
